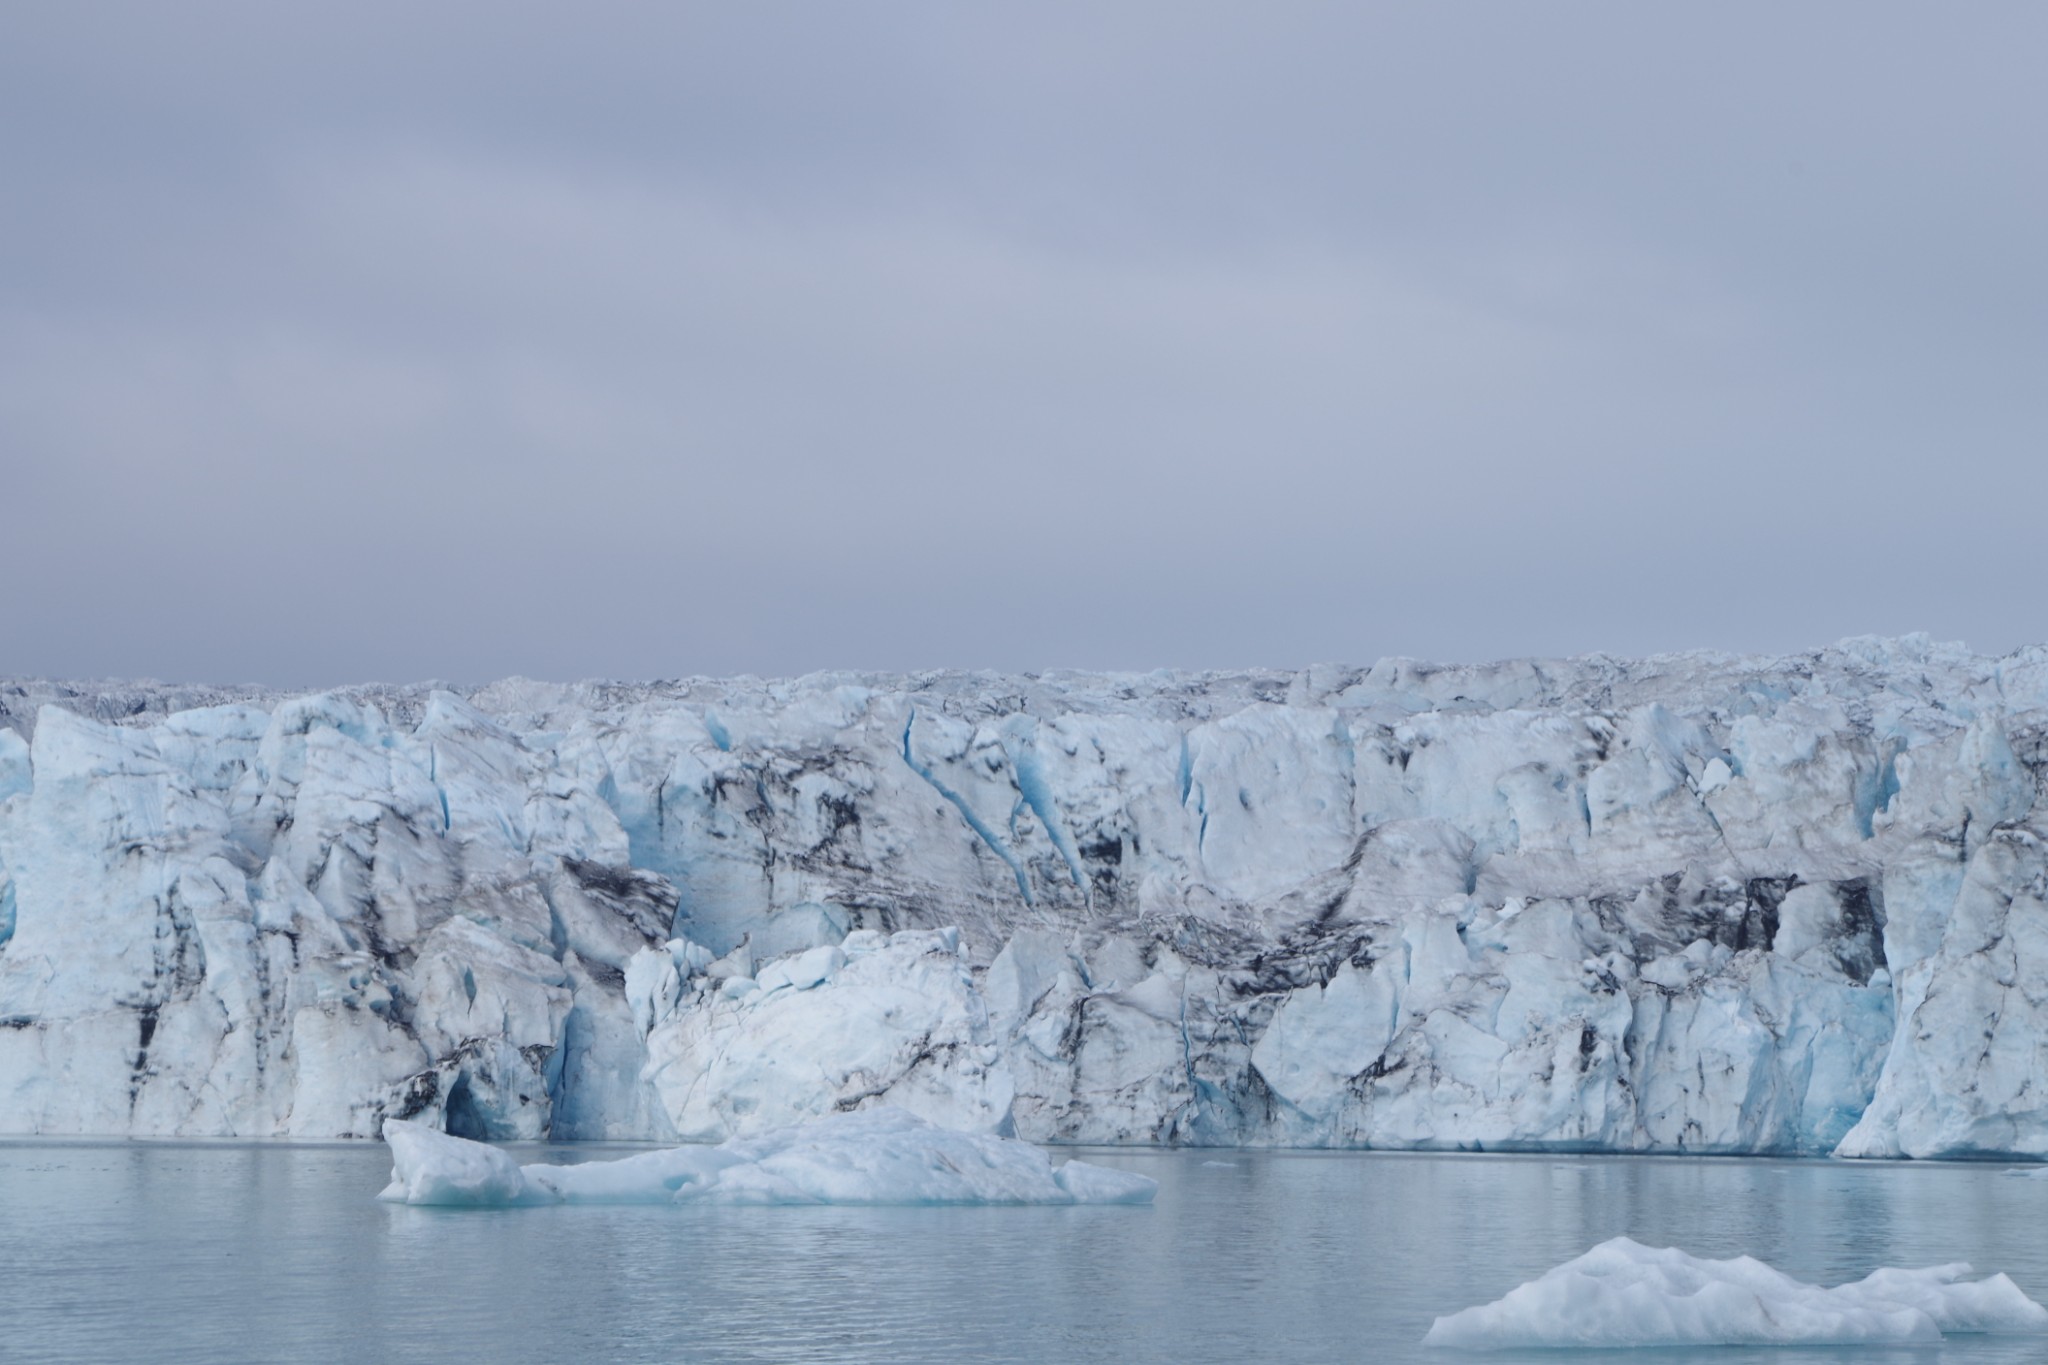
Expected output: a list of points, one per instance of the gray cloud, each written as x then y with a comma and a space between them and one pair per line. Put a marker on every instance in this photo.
466, 340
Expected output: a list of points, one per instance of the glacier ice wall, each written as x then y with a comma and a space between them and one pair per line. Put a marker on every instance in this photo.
1688, 903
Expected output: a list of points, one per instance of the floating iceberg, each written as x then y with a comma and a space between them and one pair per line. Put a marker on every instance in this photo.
878, 1156
1622, 1293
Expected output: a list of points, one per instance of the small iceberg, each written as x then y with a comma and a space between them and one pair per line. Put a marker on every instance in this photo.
1623, 1294
875, 1156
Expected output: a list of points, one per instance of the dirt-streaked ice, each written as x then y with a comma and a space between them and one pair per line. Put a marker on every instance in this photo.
1696, 902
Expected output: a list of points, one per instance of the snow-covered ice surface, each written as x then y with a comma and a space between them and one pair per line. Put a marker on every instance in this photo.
1622, 1294
1693, 903
881, 1156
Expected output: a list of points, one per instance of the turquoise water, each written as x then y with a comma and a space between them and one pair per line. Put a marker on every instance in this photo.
240, 1252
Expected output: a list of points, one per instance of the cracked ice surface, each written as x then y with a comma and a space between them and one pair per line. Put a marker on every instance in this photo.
1695, 902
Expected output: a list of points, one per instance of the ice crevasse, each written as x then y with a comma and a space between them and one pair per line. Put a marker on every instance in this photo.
1697, 902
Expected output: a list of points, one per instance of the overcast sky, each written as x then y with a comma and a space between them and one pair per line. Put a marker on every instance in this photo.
456, 341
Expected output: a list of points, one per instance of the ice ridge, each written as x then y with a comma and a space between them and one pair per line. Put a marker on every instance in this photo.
1696, 902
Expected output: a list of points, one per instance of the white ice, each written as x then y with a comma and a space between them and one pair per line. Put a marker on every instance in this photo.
1624, 1294
1694, 903
877, 1156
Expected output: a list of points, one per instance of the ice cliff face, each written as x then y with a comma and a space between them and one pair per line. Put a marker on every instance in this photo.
1697, 903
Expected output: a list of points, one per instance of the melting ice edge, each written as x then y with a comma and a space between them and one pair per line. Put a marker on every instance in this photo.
1693, 903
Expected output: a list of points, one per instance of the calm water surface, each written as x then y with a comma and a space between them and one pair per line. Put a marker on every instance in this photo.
227, 1252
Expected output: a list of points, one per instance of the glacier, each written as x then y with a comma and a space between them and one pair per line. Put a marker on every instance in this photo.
1623, 1294
884, 1155
1690, 903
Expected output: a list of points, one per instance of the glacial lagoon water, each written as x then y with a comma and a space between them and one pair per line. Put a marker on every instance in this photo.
232, 1252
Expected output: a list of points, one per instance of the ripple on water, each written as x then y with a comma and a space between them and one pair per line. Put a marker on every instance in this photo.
241, 1252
